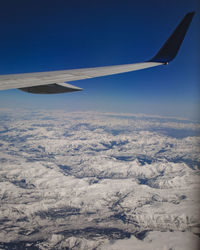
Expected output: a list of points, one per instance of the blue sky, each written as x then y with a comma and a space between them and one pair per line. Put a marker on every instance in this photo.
52, 35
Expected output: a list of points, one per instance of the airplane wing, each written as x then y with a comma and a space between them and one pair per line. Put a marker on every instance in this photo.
51, 82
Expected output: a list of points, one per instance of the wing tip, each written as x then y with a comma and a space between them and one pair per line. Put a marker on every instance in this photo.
171, 47
191, 13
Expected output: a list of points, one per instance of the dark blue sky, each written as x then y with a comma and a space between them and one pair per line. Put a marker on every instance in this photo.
51, 35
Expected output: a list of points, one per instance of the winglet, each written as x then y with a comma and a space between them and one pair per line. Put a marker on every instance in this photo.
170, 49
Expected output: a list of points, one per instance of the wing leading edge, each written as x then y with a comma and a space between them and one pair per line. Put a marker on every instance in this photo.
52, 82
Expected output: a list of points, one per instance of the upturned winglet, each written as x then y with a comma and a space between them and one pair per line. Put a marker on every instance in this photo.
52, 82
170, 49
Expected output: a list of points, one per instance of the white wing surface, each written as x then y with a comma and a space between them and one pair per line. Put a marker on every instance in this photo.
59, 77
51, 82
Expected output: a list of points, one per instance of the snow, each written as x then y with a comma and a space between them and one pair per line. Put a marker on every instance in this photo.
98, 180
157, 241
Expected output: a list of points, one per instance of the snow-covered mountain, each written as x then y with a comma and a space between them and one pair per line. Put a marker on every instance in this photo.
87, 180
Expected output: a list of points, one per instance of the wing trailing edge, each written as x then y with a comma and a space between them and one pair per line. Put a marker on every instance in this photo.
52, 82
54, 88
